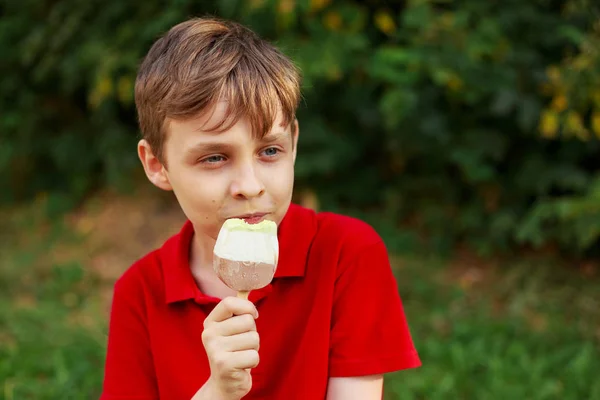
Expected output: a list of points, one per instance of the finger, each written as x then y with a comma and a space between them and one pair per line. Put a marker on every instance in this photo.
243, 341
244, 359
230, 306
236, 325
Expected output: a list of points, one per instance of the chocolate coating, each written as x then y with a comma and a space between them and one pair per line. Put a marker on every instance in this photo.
244, 275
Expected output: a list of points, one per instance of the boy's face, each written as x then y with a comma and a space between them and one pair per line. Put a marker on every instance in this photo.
216, 176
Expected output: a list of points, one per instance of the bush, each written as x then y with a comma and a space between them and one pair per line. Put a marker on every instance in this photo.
471, 121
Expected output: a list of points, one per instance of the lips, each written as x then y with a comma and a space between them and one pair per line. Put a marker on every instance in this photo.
253, 218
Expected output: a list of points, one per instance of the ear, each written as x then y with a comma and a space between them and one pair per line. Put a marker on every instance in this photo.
155, 171
295, 134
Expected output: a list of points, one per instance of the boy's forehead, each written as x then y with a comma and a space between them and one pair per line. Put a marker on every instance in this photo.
212, 116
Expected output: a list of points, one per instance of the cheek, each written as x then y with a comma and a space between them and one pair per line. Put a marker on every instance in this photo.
197, 191
280, 182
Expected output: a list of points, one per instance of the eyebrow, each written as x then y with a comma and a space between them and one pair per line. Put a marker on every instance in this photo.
273, 137
216, 147
210, 147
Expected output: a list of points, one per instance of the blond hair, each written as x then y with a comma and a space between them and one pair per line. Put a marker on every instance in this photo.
203, 61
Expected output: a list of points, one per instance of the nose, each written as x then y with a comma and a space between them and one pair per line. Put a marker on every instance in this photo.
247, 184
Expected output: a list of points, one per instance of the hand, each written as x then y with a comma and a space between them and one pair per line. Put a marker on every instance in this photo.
231, 343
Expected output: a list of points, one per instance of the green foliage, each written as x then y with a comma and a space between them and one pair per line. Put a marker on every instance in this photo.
574, 219
461, 118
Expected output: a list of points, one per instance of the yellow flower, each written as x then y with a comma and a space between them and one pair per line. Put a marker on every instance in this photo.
582, 62
574, 125
125, 89
255, 4
334, 73
559, 103
102, 90
553, 73
596, 98
286, 6
333, 21
385, 22
446, 20
104, 87
549, 124
454, 82
596, 123
316, 5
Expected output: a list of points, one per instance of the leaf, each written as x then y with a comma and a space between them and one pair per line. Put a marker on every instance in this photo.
572, 33
504, 102
397, 104
529, 109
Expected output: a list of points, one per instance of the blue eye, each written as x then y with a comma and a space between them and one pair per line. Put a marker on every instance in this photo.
213, 159
271, 151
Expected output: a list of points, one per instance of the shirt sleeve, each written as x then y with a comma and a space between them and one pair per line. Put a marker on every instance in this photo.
129, 372
369, 331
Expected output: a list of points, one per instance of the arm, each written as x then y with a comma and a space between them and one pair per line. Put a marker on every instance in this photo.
206, 392
369, 332
356, 388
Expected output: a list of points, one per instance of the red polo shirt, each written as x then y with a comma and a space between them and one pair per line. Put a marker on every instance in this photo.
332, 310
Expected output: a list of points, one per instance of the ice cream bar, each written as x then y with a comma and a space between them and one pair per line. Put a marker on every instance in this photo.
245, 255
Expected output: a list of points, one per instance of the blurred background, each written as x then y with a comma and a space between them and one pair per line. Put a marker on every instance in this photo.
466, 132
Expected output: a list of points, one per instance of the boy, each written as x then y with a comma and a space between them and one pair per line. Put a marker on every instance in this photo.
216, 108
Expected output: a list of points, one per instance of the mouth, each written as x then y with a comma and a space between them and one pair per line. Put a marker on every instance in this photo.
253, 218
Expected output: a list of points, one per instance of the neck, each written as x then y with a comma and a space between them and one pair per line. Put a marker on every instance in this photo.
201, 252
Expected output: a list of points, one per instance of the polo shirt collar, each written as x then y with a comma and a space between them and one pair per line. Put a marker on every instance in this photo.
295, 234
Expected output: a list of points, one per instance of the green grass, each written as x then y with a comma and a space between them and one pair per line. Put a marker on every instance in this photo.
51, 333
530, 331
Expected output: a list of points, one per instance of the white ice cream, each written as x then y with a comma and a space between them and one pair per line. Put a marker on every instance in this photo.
240, 241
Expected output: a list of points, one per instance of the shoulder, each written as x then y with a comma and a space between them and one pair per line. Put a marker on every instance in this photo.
145, 277
142, 271
137, 286
332, 230
346, 233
